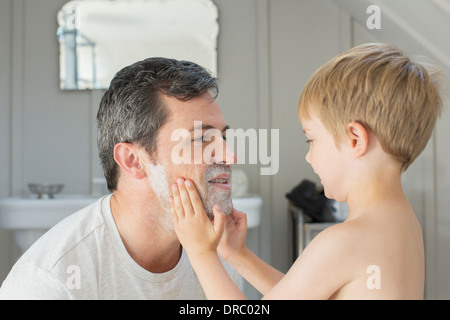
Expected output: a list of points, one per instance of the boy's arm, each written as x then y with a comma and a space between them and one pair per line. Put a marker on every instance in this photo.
232, 249
325, 265
317, 274
257, 272
215, 281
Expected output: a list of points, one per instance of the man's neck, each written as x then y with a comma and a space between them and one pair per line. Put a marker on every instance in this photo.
146, 232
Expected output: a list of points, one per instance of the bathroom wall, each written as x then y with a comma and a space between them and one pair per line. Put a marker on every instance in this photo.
5, 101
303, 35
267, 50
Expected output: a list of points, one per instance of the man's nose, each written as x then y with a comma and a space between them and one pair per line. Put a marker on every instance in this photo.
223, 154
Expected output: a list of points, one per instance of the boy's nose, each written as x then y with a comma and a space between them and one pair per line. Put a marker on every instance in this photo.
307, 158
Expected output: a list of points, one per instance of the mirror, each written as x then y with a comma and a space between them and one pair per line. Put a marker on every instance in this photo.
97, 38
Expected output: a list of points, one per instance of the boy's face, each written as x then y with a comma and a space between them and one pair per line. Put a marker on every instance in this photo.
327, 161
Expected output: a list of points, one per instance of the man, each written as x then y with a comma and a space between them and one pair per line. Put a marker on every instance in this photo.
124, 246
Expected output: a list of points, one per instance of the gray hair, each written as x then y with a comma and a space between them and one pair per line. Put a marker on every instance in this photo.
132, 111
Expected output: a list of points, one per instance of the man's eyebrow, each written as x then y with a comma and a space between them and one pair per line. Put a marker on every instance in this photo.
208, 126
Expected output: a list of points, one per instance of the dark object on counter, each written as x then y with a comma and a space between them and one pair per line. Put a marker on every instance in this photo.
313, 203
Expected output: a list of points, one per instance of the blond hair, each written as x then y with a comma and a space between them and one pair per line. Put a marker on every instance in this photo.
394, 96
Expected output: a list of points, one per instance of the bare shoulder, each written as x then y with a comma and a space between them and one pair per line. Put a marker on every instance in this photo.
337, 240
322, 268
338, 248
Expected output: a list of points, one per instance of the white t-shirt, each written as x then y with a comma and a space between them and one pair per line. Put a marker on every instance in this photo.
83, 257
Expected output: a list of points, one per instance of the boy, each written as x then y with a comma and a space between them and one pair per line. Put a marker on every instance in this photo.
367, 114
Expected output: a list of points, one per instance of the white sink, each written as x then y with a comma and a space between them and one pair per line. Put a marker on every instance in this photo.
252, 207
29, 213
30, 218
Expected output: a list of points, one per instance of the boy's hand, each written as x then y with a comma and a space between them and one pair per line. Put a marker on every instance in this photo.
196, 232
233, 239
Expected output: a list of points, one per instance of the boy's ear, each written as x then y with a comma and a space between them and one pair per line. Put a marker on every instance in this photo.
359, 138
126, 156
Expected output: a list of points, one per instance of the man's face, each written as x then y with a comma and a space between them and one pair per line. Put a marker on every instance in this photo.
199, 129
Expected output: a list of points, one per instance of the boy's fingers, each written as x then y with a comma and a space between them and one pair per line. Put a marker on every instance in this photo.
219, 220
174, 214
196, 202
238, 214
178, 207
185, 199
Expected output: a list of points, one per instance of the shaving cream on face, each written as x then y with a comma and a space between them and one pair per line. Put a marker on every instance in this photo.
208, 195
160, 185
211, 196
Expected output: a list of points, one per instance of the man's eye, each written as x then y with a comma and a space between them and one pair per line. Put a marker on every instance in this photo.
203, 138
309, 141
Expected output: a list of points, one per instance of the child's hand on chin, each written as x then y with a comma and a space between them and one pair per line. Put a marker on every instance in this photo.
233, 239
197, 234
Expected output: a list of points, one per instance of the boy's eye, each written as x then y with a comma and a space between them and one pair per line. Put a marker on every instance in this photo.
309, 141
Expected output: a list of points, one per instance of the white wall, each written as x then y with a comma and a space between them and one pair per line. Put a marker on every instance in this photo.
266, 52
303, 36
5, 102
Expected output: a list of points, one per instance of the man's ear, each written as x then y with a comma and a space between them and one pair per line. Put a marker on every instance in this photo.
126, 156
359, 138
